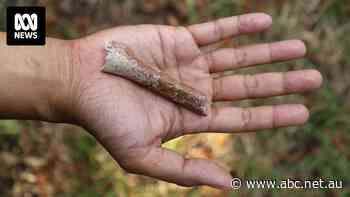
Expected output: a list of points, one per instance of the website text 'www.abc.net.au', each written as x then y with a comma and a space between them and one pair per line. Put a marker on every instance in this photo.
238, 183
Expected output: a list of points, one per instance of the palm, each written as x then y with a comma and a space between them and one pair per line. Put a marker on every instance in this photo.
132, 122
158, 119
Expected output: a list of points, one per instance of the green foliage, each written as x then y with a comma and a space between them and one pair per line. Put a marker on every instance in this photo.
224, 8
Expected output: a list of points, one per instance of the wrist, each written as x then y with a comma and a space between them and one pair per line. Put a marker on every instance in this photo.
53, 73
65, 103
60, 96
33, 80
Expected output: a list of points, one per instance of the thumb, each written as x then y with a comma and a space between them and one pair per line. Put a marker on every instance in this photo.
172, 167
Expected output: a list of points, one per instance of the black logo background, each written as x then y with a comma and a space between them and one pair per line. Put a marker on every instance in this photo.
11, 11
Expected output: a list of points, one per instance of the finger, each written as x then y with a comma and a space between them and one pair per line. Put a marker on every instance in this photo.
228, 59
211, 32
172, 167
232, 119
265, 85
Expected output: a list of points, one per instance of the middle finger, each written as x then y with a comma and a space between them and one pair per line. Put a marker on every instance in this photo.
264, 85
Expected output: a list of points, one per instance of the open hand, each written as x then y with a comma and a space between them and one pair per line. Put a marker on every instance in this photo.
132, 123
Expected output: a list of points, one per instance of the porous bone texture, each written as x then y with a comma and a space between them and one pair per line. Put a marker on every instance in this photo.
121, 61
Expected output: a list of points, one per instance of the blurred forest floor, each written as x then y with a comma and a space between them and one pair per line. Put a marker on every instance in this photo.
41, 159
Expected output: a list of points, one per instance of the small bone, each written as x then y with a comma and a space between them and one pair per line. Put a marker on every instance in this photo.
121, 61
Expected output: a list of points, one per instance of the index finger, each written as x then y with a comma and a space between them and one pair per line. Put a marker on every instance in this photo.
211, 32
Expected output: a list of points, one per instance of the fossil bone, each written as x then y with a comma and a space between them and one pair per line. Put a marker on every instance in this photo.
121, 61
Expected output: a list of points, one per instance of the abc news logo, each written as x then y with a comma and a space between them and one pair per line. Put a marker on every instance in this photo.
32, 22
26, 26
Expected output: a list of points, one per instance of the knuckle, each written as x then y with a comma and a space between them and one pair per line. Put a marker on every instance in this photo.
211, 119
251, 83
274, 119
285, 83
246, 116
240, 25
240, 56
218, 31
218, 89
270, 52
244, 24
209, 58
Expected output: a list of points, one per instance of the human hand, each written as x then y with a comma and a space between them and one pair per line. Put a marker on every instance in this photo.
132, 123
